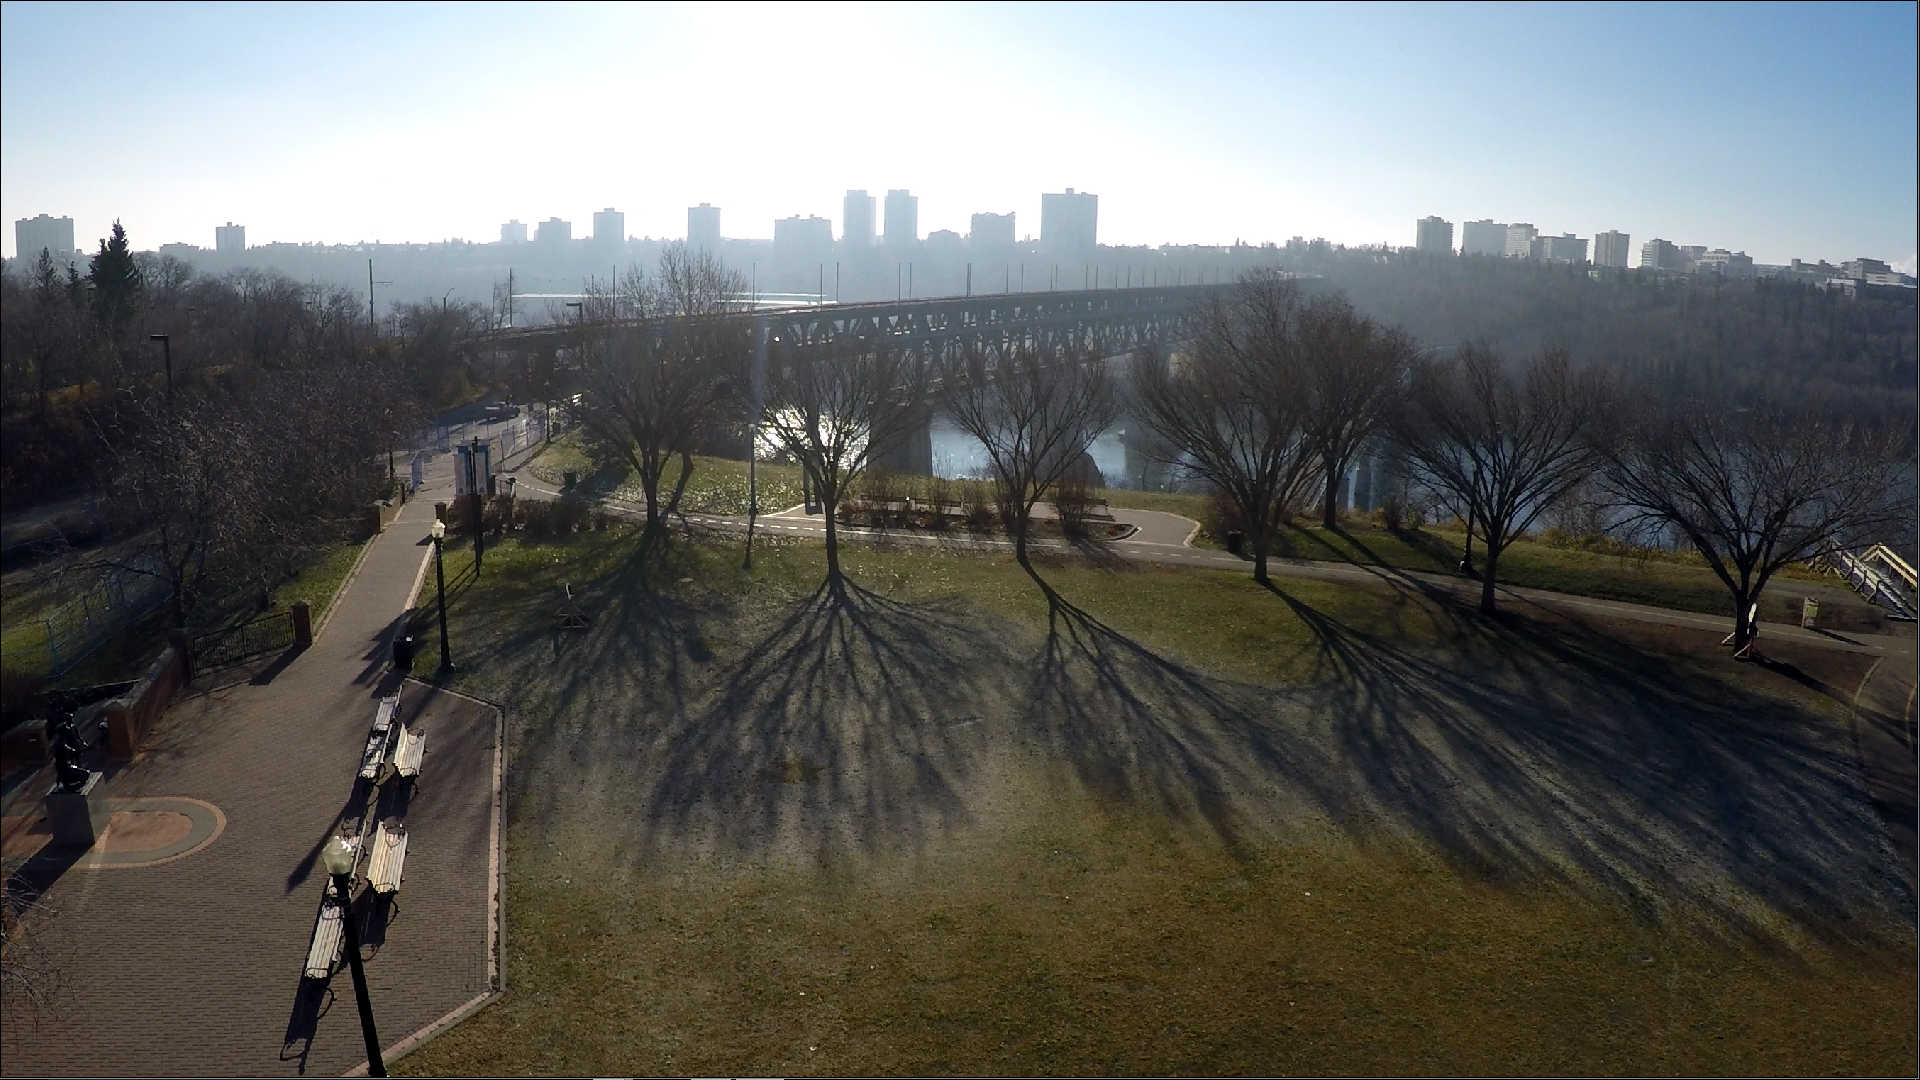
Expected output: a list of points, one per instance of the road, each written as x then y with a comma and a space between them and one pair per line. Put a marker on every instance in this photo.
1165, 539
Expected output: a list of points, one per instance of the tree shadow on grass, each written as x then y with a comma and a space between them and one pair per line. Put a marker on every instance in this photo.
1141, 730
845, 728
1559, 753
589, 701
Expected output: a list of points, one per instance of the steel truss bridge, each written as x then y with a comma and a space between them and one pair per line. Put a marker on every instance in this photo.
1098, 322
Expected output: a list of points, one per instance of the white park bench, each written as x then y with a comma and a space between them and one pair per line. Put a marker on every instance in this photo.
389, 858
378, 738
409, 751
327, 935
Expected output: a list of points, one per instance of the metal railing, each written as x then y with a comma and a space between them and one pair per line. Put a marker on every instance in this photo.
80, 627
1880, 586
241, 641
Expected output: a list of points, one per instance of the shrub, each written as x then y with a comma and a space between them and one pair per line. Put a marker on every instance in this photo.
1393, 515
536, 519
570, 513
1222, 515
978, 504
1073, 500
939, 492
496, 516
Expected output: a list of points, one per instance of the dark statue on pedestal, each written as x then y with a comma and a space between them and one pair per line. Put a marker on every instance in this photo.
69, 773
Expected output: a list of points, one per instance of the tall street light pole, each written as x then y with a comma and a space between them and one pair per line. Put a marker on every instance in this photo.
339, 857
439, 533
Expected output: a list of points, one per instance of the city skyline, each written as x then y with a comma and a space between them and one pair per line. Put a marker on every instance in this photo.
405, 134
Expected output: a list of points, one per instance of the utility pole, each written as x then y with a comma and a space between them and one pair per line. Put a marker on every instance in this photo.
836, 281
372, 323
969, 279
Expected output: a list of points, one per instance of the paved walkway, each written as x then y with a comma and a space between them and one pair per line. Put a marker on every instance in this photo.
193, 965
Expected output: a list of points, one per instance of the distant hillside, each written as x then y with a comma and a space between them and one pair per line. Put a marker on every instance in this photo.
1757, 332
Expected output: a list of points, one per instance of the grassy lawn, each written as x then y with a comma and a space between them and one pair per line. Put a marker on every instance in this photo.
23, 639
718, 485
1167, 822
1678, 580
319, 579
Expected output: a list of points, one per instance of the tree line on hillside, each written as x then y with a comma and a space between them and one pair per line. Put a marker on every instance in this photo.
78, 352
1278, 389
226, 426
1761, 335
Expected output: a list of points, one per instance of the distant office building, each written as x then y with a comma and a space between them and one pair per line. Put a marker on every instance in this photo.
609, 228
183, 252
229, 239
1733, 264
1483, 237
554, 231
1658, 254
1565, 248
1433, 235
856, 220
903, 219
1860, 269
991, 232
945, 243
34, 234
1520, 238
802, 242
1069, 224
1612, 248
703, 228
513, 232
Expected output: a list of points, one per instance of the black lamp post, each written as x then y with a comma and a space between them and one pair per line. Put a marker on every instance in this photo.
339, 857
439, 532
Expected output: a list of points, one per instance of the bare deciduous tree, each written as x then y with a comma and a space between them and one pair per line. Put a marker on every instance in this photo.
1504, 443
653, 389
1034, 414
1231, 408
1754, 488
834, 410
1351, 370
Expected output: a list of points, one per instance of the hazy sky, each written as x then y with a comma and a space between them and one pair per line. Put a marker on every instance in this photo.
1784, 130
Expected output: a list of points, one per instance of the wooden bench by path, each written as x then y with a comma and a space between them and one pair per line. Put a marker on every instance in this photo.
409, 752
328, 932
379, 737
389, 858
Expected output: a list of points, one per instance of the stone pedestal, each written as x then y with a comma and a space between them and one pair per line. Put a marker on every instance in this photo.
79, 817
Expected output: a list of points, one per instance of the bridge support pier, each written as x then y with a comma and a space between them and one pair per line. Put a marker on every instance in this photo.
912, 452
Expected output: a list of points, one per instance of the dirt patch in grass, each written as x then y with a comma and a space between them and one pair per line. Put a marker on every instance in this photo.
952, 822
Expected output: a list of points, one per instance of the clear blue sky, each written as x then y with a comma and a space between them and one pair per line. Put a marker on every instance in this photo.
1786, 130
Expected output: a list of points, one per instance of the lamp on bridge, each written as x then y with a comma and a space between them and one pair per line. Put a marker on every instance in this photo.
339, 858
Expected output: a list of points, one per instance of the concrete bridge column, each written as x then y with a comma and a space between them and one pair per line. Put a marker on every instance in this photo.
912, 452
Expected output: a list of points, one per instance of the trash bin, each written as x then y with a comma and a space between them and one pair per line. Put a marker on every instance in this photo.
1236, 541
403, 654
567, 479
1809, 612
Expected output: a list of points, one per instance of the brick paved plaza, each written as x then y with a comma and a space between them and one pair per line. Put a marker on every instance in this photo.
193, 965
